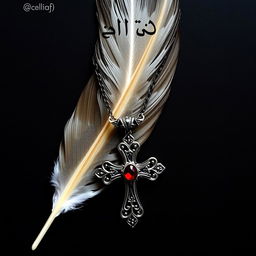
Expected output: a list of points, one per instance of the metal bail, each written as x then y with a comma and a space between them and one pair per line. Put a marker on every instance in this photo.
128, 122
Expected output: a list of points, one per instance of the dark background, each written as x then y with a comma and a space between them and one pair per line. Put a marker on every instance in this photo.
204, 202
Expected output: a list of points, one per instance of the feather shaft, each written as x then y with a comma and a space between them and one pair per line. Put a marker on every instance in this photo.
107, 129
44, 230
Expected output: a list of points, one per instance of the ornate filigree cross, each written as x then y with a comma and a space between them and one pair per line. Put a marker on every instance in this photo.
130, 171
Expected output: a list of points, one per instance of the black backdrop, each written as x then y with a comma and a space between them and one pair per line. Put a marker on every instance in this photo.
203, 202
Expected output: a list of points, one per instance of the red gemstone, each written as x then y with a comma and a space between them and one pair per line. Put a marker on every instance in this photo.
130, 172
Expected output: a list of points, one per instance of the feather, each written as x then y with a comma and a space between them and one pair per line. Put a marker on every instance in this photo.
127, 65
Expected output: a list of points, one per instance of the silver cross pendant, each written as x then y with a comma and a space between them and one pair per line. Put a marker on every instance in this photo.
130, 171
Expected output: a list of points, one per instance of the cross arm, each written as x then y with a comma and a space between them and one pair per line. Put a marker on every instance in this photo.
150, 169
109, 172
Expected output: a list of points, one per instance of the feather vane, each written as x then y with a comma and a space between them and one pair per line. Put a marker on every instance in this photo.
127, 64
